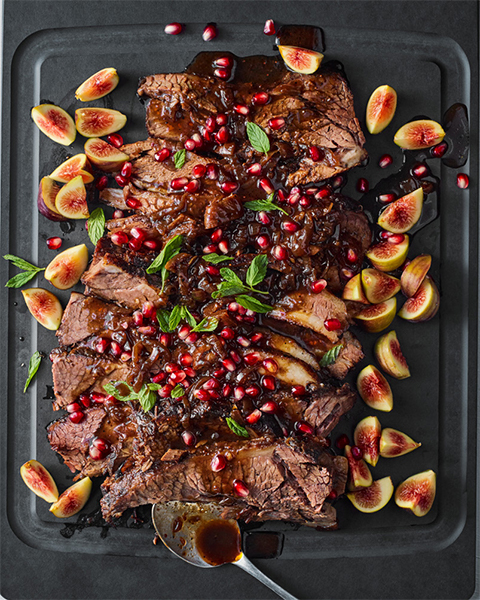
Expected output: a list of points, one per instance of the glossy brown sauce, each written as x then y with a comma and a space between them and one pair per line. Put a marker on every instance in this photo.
219, 542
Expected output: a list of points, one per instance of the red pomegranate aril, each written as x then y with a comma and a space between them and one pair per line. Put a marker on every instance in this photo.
276, 123
85, 400
324, 192
95, 453
115, 139
101, 345
210, 32
251, 358
138, 318
303, 427
179, 183
54, 243
224, 247
439, 150
268, 382
229, 364
222, 136
222, 73
197, 138
227, 333
126, 170
211, 384
218, 463
224, 61
202, 395
210, 248
221, 119
171, 367
185, 359
281, 195
76, 417
263, 241
115, 349
214, 395
241, 109
270, 365
243, 341
385, 161
101, 445
294, 196
189, 145
126, 356
73, 407
199, 171
227, 390
314, 153
362, 185
192, 186
233, 307
159, 377
318, 286
305, 202
228, 187
189, 438
173, 28
332, 324
118, 214
463, 181
122, 181
152, 244
135, 244
420, 170
165, 391
162, 155
138, 233
253, 391
261, 98
269, 407
393, 238
290, 226
189, 372
386, 198
102, 183
337, 182
357, 453
133, 203
342, 441
254, 416
263, 218
299, 390
178, 377
212, 270
98, 397
165, 340
256, 337
269, 27
255, 169
212, 171
352, 256
279, 252
148, 330
216, 236
184, 331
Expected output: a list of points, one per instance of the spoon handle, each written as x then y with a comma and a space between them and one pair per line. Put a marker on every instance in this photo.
250, 568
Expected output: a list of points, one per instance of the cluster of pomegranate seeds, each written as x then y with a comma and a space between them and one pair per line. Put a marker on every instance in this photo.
269, 28
54, 243
463, 180
98, 449
210, 32
385, 161
174, 28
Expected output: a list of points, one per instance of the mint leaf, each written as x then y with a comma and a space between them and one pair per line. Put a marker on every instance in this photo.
22, 264
251, 303
227, 289
177, 392
175, 317
206, 325
179, 158
33, 365
171, 249
189, 318
258, 138
21, 279
330, 356
267, 205
163, 318
96, 225
230, 276
257, 270
215, 258
113, 390
236, 428
146, 396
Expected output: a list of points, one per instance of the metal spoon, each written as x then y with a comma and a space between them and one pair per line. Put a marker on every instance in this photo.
177, 524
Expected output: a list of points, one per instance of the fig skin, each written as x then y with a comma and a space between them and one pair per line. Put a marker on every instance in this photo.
367, 437
389, 355
65, 270
74, 166
73, 499
71, 200
400, 216
417, 493
98, 85
104, 156
386, 256
419, 134
373, 498
300, 60
378, 317
381, 109
44, 306
39, 481
424, 305
359, 475
379, 286
414, 274
96, 122
374, 389
394, 443
55, 123
47, 192
353, 290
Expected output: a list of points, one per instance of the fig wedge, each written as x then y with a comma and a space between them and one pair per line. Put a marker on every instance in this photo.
389, 355
395, 443
95, 122
374, 389
400, 216
414, 274
424, 305
47, 192
417, 493
73, 499
359, 475
378, 317
67, 267
39, 480
353, 290
98, 85
419, 134
387, 256
381, 108
55, 123
104, 156
74, 166
367, 437
300, 60
373, 498
379, 286
44, 306
71, 200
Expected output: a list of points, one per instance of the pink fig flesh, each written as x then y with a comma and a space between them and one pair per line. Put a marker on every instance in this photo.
381, 108
374, 389
417, 493
424, 305
395, 443
39, 480
379, 286
414, 274
367, 437
358, 473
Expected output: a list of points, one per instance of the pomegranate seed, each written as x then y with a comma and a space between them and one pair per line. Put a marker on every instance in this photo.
396, 238
255, 169
243, 341
268, 382
189, 372
101, 345
337, 182
462, 181
122, 181
138, 318
179, 183
73, 407
222, 136
263, 241
439, 150
98, 397
386, 198
289, 226
269, 407
294, 196
192, 186
347, 273
281, 196
332, 324
342, 441
189, 145
197, 138
227, 390
251, 358
210, 32
177, 377
76, 417
162, 155
233, 307
352, 256
357, 453
199, 171
224, 61
276, 123
221, 119
165, 340
270, 365
201, 395
428, 187
118, 214
126, 356
224, 247
211, 384
135, 244
263, 218
322, 193
299, 390
173, 28
171, 367
314, 153
165, 391
115, 139
385, 161
99, 449
279, 252
210, 248
318, 286
218, 463
256, 337
138, 233
126, 170
212, 270
212, 171
229, 364
189, 438
228, 187
305, 202
236, 357
152, 244
148, 330
116, 349
184, 331
133, 203
54, 243
269, 28
185, 359
222, 73
159, 377
254, 416
362, 185
261, 98
102, 183
303, 427
266, 185
241, 109
420, 170
253, 391
239, 392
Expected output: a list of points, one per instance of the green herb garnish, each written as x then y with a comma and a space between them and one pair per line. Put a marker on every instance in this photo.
330, 356
266, 205
96, 225
146, 396
33, 365
169, 321
171, 249
215, 258
258, 138
178, 392
236, 428
179, 158
21, 278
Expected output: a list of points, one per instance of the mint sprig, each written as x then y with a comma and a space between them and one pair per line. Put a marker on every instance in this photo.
266, 205
258, 138
237, 428
146, 396
21, 278
33, 365
215, 258
330, 356
170, 250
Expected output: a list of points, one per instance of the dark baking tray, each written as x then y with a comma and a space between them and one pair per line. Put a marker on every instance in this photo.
430, 72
